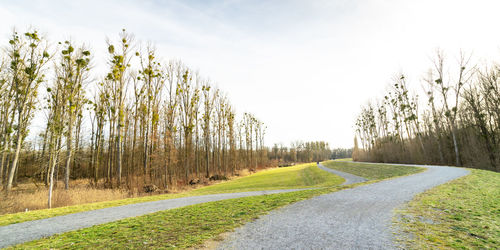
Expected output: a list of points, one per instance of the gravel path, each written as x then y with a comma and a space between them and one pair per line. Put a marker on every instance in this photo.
357, 218
349, 178
32, 230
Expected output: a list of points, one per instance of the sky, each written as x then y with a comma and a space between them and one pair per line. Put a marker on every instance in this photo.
302, 67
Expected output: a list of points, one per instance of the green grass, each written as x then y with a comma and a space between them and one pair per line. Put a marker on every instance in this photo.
176, 228
461, 214
344, 159
372, 171
300, 176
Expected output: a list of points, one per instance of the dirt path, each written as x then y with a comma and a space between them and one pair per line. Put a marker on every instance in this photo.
357, 218
32, 230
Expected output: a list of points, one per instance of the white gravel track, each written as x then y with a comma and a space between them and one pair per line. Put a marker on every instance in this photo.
357, 218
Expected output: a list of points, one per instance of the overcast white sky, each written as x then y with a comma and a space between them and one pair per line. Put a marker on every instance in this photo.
302, 67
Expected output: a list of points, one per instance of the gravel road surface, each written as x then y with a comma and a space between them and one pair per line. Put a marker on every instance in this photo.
349, 178
357, 218
32, 230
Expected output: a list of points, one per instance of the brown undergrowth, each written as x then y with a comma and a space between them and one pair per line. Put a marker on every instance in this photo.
29, 196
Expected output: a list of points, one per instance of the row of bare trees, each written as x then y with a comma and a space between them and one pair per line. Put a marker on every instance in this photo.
22, 72
458, 123
341, 153
300, 151
145, 122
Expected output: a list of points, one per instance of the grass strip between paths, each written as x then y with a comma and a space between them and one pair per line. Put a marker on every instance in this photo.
184, 227
373, 171
299, 176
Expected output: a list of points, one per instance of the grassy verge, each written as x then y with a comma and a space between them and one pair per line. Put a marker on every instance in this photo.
461, 214
372, 171
300, 176
176, 228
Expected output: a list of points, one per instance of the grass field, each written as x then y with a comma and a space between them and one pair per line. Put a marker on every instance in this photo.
461, 214
300, 176
372, 171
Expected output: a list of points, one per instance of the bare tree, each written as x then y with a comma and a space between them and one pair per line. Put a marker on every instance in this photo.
28, 55
189, 97
72, 71
6, 111
450, 103
120, 63
58, 97
209, 97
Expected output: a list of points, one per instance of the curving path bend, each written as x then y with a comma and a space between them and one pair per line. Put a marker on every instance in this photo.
349, 178
357, 218
32, 230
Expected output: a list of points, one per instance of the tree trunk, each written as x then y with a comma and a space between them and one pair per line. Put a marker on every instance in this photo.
51, 182
110, 152
119, 152
3, 162
92, 152
68, 153
78, 128
440, 149
134, 139
167, 160
97, 158
13, 167
455, 145
207, 156
146, 150
47, 176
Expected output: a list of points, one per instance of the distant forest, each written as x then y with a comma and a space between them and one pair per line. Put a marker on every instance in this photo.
146, 121
307, 152
456, 122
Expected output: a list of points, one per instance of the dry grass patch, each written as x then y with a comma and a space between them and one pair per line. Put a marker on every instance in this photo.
74, 196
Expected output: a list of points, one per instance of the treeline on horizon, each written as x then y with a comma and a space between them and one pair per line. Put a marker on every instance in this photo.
456, 123
313, 151
145, 122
